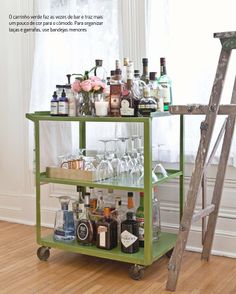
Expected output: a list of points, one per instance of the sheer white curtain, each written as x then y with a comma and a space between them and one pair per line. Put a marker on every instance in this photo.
57, 54
182, 31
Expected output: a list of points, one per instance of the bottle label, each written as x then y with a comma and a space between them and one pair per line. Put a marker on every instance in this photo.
102, 236
82, 231
125, 109
147, 106
127, 239
63, 107
165, 92
54, 108
140, 220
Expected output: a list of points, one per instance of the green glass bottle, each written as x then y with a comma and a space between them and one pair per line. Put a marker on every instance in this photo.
140, 219
165, 82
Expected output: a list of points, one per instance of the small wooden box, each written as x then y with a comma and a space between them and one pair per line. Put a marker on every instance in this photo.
70, 174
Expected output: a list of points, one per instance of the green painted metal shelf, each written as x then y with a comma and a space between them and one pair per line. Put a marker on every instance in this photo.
165, 243
110, 183
45, 116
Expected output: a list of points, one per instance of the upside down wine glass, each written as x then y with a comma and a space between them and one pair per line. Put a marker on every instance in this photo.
104, 168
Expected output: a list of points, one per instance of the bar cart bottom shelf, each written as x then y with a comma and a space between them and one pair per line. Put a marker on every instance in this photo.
161, 247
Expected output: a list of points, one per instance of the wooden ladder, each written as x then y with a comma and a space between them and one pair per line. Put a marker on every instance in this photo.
198, 178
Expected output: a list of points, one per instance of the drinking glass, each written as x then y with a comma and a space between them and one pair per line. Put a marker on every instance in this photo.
104, 168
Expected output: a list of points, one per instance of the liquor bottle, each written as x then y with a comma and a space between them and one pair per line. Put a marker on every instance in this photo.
81, 208
54, 105
63, 104
85, 227
116, 88
147, 104
165, 82
107, 231
118, 215
100, 203
130, 203
93, 200
156, 91
145, 76
100, 71
64, 228
137, 86
140, 219
129, 102
129, 234
125, 64
156, 216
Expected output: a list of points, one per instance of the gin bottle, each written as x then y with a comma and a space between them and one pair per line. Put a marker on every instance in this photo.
64, 228
100, 71
129, 234
165, 82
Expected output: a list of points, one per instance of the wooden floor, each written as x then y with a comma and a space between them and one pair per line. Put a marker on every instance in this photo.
65, 272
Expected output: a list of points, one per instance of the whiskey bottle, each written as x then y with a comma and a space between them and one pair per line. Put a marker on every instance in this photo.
116, 88
129, 234
145, 75
93, 200
107, 231
140, 220
165, 82
85, 227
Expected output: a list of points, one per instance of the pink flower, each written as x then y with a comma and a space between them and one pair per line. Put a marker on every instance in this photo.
76, 86
94, 78
98, 84
86, 85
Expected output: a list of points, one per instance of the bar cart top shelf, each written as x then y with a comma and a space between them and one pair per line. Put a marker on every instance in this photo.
45, 116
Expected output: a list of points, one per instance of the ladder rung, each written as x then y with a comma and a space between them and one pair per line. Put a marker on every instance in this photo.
225, 35
224, 109
203, 213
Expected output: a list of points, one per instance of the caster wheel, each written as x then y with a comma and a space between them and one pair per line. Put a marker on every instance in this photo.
169, 253
136, 272
43, 253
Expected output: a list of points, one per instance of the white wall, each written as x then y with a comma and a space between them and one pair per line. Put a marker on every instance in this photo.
17, 195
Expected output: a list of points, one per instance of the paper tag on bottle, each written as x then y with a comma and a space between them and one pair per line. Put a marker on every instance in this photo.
127, 239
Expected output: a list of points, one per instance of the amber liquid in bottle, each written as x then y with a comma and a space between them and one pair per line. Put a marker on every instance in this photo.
107, 231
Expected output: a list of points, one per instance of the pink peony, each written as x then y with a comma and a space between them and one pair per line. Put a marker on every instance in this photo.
94, 78
86, 85
76, 87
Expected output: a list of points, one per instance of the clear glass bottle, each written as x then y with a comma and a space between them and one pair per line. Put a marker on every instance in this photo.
107, 231
54, 105
166, 84
147, 104
100, 71
156, 91
64, 227
156, 215
100, 203
145, 75
118, 215
125, 64
140, 219
93, 200
129, 234
130, 203
72, 107
85, 226
63, 104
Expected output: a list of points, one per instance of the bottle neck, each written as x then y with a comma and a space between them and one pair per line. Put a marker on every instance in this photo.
130, 203
145, 70
129, 84
163, 70
141, 201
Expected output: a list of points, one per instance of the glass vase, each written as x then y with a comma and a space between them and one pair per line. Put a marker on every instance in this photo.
87, 104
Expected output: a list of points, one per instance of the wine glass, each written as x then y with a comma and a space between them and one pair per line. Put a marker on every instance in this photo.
104, 168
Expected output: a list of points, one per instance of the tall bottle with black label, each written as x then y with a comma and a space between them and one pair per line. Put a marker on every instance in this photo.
166, 84
129, 234
85, 227
145, 75
63, 104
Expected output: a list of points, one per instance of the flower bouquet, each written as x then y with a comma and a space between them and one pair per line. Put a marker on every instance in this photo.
87, 87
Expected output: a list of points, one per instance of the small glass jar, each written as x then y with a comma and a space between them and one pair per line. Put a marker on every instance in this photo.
101, 105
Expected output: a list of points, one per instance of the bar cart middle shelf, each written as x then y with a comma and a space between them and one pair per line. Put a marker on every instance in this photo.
152, 250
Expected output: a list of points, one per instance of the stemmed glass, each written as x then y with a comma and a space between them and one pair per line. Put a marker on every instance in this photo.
115, 161
104, 168
123, 167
